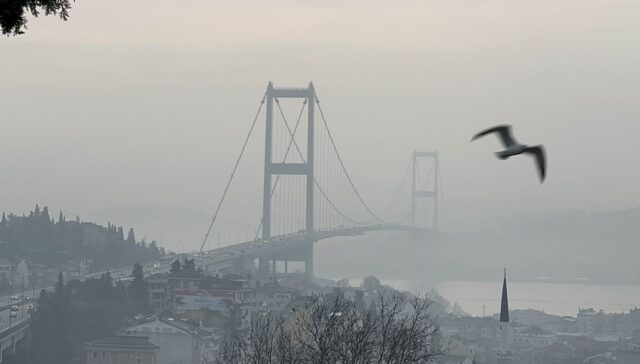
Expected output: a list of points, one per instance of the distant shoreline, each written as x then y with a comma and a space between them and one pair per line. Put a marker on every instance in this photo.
562, 299
579, 281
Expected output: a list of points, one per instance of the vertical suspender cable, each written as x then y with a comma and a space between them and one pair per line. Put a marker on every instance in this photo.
286, 153
344, 169
314, 181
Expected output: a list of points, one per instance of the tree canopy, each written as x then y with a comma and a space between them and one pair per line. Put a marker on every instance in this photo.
13, 13
393, 329
187, 267
76, 313
38, 238
138, 290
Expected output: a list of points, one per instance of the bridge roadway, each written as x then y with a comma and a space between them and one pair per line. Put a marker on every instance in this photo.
216, 260
281, 246
13, 329
4, 318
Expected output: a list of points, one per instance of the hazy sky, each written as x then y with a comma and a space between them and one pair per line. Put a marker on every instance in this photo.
136, 106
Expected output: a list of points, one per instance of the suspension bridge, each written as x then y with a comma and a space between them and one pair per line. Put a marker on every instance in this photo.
309, 194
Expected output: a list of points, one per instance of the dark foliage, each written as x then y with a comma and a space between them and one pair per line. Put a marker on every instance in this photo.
74, 314
138, 289
39, 239
13, 13
189, 266
186, 268
50, 328
175, 267
232, 326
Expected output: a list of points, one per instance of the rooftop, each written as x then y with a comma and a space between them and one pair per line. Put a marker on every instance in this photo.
123, 342
186, 275
159, 276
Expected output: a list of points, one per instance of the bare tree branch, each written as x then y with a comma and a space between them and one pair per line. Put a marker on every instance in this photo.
396, 328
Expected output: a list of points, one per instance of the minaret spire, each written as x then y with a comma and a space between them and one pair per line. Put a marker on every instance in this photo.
504, 352
504, 307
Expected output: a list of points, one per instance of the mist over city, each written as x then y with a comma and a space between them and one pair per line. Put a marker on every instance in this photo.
319, 182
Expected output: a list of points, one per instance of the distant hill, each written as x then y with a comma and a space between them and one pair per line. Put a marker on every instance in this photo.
618, 226
39, 238
567, 247
575, 246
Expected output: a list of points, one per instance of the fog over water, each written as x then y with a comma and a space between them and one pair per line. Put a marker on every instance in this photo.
120, 115
554, 298
562, 299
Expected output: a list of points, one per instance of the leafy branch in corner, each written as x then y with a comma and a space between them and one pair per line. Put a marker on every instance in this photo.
13, 13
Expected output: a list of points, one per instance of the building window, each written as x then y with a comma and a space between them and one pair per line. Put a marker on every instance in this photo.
95, 355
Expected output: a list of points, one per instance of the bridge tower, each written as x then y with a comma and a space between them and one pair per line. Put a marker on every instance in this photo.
417, 192
278, 168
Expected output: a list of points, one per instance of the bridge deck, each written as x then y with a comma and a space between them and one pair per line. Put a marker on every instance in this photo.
281, 243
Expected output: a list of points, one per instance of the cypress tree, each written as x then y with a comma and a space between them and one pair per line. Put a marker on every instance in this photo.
175, 267
131, 238
120, 234
51, 344
189, 265
45, 215
138, 290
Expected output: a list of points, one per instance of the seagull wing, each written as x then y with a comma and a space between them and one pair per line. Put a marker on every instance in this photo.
503, 130
541, 161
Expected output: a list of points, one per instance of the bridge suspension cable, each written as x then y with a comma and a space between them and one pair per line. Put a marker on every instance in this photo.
397, 193
443, 205
332, 204
233, 173
293, 142
425, 181
286, 154
335, 182
344, 169
315, 181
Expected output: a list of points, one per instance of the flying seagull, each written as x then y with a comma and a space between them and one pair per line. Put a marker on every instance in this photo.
515, 148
